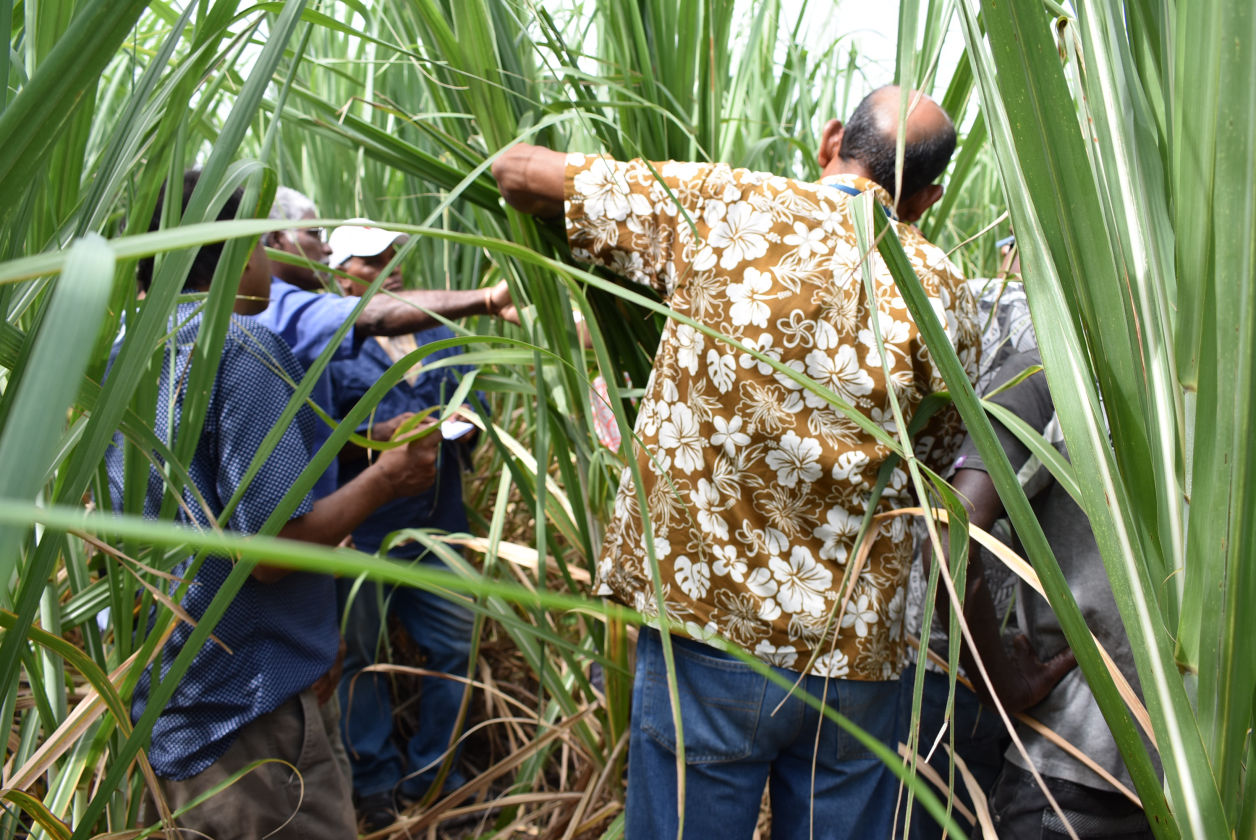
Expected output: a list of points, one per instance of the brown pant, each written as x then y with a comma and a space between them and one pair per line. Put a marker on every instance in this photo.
315, 800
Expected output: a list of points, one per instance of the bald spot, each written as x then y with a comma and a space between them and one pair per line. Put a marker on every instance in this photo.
925, 117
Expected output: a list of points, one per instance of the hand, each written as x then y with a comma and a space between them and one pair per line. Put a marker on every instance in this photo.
411, 469
385, 429
1023, 680
499, 304
531, 179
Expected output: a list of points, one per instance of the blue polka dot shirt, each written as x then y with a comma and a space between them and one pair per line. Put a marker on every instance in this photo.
281, 636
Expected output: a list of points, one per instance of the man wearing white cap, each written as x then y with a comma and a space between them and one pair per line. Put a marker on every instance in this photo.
440, 625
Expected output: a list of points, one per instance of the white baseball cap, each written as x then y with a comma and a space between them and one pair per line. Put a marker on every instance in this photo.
359, 238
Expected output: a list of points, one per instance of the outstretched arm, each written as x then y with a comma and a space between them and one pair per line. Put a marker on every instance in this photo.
398, 313
1020, 679
531, 179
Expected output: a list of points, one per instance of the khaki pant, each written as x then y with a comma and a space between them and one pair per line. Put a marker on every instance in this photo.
315, 801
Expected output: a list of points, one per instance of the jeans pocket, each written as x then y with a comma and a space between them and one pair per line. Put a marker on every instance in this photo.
720, 702
872, 707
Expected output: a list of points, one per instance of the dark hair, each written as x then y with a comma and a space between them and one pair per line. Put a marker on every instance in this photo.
871, 143
207, 257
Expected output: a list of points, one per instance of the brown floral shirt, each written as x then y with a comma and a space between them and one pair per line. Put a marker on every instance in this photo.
755, 486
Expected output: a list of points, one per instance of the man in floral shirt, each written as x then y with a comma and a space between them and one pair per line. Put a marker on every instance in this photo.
754, 487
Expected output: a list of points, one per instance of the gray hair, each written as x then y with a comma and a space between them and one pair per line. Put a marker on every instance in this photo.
291, 206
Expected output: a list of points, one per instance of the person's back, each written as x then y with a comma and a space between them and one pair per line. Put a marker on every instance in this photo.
754, 486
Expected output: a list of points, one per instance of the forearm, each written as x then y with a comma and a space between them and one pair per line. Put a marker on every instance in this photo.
981, 502
1019, 679
411, 311
333, 518
986, 628
532, 179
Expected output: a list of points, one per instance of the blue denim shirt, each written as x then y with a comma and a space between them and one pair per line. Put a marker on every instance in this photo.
307, 321
440, 507
281, 636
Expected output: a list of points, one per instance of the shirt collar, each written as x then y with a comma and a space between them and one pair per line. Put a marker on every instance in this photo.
862, 184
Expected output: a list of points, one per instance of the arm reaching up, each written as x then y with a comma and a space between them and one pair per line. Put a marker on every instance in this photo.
531, 179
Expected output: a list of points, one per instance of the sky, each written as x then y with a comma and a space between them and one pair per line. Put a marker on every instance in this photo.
873, 28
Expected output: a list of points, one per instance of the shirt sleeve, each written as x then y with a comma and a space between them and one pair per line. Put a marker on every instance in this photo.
637, 218
253, 390
307, 321
1030, 400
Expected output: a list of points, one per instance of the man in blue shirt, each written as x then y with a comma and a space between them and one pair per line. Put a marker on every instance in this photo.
308, 320
250, 693
440, 623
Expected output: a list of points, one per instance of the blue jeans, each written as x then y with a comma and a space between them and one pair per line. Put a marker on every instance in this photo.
442, 629
734, 744
980, 740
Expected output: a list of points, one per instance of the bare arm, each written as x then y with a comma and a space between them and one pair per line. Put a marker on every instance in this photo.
531, 179
1020, 679
402, 471
411, 310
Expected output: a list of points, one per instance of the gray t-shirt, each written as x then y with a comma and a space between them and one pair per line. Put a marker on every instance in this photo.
1070, 709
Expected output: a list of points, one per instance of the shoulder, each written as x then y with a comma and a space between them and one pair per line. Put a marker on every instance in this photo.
294, 308
252, 348
595, 174
931, 261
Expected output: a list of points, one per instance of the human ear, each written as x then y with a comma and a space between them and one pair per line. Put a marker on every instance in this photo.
830, 142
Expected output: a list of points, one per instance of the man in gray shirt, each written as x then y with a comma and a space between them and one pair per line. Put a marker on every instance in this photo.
1093, 805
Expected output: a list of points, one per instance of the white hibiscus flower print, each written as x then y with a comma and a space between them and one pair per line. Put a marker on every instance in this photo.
832, 664
808, 241
782, 657
629, 264
750, 299
795, 459
708, 502
722, 370
894, 613
728, 434
860, 614
762, 344
680, 434
741, 234
769, 541
841, 373
694, 579
803, 581
681, 171
689, 343
606, 195
761, 583
826, 336
728, 564
884, 418
769, 610
702, 632
838, 532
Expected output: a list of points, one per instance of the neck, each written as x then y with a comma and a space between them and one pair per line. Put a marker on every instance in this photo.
840, 166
